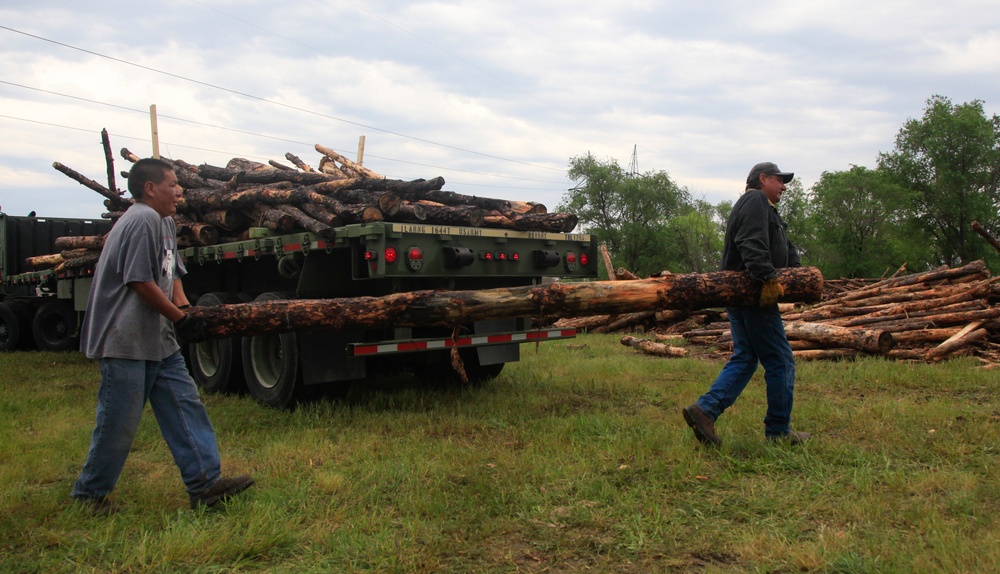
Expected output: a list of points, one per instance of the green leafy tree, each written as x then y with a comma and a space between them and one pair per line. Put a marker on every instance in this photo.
951, 157
862, 225
695, 239
627, 212
795, 208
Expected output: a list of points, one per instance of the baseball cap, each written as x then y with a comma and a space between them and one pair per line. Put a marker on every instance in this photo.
770, 169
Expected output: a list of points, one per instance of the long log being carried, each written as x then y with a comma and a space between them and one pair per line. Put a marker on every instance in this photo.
449, 308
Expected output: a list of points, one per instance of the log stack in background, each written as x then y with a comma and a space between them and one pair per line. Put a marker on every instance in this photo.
222, 204
925, 316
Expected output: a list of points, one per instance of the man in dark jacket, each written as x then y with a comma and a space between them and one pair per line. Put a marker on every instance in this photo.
756, 242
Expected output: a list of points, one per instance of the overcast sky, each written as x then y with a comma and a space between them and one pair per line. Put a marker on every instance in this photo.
495, 97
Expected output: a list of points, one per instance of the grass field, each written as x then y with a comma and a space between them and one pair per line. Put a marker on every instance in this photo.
576, 459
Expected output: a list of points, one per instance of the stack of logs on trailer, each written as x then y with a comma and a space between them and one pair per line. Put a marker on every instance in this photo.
222, 204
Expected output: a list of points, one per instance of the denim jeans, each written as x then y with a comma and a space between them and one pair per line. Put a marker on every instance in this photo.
758, 337
126, 385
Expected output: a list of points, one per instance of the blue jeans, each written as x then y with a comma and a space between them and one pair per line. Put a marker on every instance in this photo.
758, 337
126, 385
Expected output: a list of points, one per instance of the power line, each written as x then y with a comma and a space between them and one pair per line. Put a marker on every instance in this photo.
401, 29
255, 134
236, 154
273, 102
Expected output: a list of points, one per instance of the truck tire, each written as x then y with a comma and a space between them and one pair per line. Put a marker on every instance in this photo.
216, 364
271, 364
54, 326
15, 326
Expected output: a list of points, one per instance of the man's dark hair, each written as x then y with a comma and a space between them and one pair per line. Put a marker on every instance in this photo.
147, 169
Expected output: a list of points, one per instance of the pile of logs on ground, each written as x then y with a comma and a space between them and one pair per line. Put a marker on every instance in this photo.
222, 204
925, 316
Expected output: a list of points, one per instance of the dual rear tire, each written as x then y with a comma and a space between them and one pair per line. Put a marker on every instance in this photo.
271, 363
265, 365
51, 327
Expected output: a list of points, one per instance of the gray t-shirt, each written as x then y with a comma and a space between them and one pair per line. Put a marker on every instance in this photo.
141, 247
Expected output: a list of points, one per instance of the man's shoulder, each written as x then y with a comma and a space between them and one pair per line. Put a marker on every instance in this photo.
138, 216
751, 199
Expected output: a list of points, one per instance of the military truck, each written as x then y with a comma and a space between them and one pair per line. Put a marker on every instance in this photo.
370, 259
41, 309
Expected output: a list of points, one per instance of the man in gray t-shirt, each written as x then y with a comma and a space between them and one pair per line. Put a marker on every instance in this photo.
134, 317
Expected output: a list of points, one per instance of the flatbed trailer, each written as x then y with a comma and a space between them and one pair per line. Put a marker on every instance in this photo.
370, 259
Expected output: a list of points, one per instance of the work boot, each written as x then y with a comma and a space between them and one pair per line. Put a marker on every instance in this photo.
222, 490
97, 506
793, 437
703, 427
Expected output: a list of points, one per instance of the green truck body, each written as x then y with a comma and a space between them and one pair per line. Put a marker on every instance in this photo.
44, 309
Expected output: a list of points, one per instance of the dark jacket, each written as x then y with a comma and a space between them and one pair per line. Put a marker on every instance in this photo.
757, 239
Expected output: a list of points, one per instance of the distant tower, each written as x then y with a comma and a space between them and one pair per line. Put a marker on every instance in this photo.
633, 166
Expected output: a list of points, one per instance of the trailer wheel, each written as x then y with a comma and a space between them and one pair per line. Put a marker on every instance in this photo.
15, 324
271, 364
54, 326
216, 364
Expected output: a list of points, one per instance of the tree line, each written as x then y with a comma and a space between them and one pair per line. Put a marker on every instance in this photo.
915, 207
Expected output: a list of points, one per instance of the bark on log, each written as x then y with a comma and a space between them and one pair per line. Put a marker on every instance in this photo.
227, 219
924, 335
623, 321
356, 167
824, 354
306, 222
243, 164
330, 168
879, 342
527, 207
623, 274
450, 308
551, 222
298, 162
387, 203
971, 333
44, 260
936, 274
462, 216
401, 188
916, 317
109, 159
320, 213
587, 323
262, 177
120, 203
653, 348
931, 300
270, 218
196, 234
94, 242
84, 260
456, 199
496, 220
978, 228
606, 258
672, 315
410, 213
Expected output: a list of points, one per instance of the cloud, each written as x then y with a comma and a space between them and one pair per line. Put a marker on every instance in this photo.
494, 96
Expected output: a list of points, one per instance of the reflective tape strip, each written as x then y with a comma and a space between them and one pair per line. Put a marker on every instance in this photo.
359, 349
